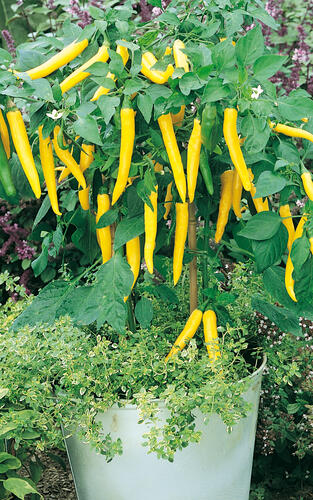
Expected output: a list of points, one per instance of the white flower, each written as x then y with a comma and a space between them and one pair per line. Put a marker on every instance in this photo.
257, 91
55, 115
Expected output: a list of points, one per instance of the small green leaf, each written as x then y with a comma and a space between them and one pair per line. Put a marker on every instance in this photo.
267, 66
269, 183
19, 487
128, 229
88, 129
145, 106
107, 106
270, 251
215, 90
189, 82
250, 47
108, 218
261, 226
144, 312
287, 321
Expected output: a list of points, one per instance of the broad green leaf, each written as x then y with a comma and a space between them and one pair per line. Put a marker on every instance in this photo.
108, 218
107, 106
261, 226
84, 238
223, 55
274, 282
300, 251
189, 82
250, 47
256, 131
287, 321
287, 151
295, 108
105, 302
27, 59
233, 21
145, 106
9, 460
144, 312
269, 183
99, 69
261, 14
5, 56
45, 306
19, 487
42, 89
267, 66
40, 264
303, 277
215, 90
128, 229
88, 129
270, 251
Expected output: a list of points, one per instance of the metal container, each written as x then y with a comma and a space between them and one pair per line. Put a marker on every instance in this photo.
217, 468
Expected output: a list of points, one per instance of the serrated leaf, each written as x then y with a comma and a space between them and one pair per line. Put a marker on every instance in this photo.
105, 302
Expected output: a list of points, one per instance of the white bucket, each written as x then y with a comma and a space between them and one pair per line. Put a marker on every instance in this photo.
217, 468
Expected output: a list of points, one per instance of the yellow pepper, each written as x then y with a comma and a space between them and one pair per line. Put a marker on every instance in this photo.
188, 332
151, 222
237, 191
148, 60
233, 144
289, 281
193, 159
83, 196
47, 163
211, 335
126, 151
5, 135
104, 234
23, 149
55, 62
260, 205
168, 134
68, 160
133, 256
181, 231
284, 212
168, 200
225, 203
123, 52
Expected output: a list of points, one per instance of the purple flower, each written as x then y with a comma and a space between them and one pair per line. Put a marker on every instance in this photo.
9, 41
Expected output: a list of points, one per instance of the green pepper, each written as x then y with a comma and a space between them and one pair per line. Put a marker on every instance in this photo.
209, 127
206, 172
5, 172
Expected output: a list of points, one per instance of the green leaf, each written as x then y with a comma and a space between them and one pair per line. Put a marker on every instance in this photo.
294, 108
214, 91
9, 461
261, 226
256, 131
189, 82
84, 238
145, 106
303, 277
107, 106
261, 14
5, 56
267, 66
144, 312
42, 89
287, 321
274, 282
269, 183
300, 251
223, 55
108, 218
105, 302
268, 252
88, 129
19, 487
57, 238
40, 264
45, 306
99, 69
128, 229
250, 47
42, 212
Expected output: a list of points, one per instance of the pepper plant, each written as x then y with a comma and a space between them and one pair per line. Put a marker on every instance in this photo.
160, 129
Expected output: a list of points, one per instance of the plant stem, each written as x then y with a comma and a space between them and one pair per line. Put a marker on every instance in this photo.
130, 315
192, 243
